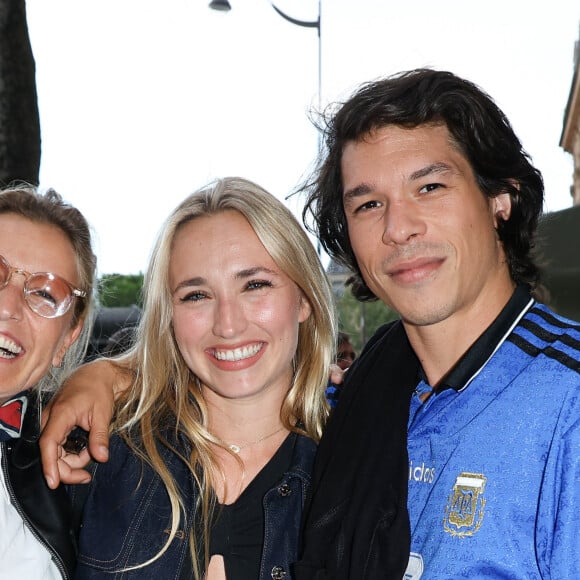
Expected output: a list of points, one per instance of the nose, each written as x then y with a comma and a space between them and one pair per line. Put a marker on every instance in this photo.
402, 222
11, 301
229, 318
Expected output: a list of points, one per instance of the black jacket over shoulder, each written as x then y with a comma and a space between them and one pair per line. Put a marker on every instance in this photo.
45, 511
356, 524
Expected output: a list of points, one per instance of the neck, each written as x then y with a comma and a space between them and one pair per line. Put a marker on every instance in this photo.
439, 346
243, 421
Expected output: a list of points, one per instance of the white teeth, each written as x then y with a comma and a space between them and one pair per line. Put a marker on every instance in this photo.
238, 353
9, 349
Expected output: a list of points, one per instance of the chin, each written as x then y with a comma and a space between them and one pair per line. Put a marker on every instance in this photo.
428, 315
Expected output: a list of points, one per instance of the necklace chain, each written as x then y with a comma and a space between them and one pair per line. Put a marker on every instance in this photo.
237, 448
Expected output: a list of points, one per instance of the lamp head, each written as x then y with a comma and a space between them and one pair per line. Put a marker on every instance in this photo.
221, 5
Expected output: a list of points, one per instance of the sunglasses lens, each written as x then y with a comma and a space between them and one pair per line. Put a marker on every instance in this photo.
47, 295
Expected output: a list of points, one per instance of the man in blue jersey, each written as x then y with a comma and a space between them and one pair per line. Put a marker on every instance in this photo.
455, 449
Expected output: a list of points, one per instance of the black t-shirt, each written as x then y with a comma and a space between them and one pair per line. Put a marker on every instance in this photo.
238, 530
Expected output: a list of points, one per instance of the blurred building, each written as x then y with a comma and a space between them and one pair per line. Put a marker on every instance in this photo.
558, 247
558, 242
570, 140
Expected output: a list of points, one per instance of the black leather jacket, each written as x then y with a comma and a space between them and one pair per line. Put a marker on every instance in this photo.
46, 512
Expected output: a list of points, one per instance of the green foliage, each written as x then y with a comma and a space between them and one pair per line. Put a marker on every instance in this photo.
121, 290
361, 319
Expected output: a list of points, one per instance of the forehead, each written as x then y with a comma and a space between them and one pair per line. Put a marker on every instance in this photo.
393, 147
431, 134
221, 238
217, 229
37, 246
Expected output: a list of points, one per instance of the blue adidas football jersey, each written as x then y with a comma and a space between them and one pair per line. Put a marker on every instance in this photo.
494, 467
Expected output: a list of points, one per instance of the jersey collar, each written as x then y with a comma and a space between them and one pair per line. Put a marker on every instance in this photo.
471, 363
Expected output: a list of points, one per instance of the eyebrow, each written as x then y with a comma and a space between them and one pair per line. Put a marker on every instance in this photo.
197, 281
438, 167
249, 272
355, 192
241, 275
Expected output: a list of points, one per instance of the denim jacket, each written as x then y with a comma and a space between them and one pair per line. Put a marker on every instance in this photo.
126, 518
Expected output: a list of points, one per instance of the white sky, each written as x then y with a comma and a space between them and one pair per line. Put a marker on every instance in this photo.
143, 101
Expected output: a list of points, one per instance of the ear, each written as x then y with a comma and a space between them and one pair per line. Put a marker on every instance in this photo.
501, 207
69, 338
305, 309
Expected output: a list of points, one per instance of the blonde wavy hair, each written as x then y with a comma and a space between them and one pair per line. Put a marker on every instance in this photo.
165, 391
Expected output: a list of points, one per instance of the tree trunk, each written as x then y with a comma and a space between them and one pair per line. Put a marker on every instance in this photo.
19, 118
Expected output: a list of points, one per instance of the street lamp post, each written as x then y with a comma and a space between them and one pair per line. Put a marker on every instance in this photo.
224, 6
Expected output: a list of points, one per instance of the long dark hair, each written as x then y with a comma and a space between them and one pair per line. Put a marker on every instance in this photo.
480, 131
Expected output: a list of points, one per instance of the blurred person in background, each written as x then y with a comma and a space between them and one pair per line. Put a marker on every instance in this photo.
345, 353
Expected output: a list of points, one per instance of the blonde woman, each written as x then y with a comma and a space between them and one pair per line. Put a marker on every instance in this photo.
217, 430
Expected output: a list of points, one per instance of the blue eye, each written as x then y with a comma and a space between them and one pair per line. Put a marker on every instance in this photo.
195, 296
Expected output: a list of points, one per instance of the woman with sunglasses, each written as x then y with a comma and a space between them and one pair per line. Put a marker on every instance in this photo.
47, 269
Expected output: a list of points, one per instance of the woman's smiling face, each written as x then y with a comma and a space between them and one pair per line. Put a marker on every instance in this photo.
236, 315
29, 343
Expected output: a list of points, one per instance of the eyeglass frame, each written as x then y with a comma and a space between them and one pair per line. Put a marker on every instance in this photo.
75, 292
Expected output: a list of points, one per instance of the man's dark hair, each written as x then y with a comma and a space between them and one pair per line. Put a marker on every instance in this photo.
479, 130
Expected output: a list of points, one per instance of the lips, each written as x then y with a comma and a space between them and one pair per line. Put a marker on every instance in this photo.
237, 354
415, 270
8, 348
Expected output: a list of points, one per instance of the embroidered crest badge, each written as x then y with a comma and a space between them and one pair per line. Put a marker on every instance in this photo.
465, 505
